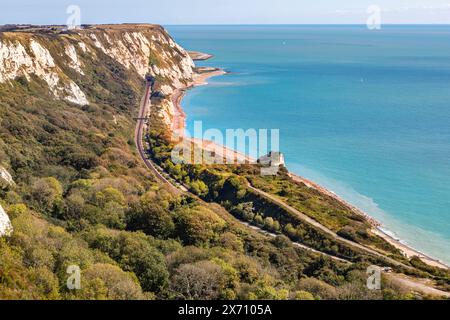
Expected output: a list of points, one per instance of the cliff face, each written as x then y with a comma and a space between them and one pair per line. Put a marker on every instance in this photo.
5, 178
97, 65
147, 50
101, 66
65, 60
5, 224
28, 57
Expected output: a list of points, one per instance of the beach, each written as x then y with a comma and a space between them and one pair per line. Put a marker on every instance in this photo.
377, 227
221, 152
407, 250
232, 156
200, 79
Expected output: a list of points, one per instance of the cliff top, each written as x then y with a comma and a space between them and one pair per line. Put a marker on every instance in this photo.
58, 29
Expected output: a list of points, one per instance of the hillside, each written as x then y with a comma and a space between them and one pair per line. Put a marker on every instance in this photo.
79, 194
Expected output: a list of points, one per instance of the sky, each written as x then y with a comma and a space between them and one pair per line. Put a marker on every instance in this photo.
170, 12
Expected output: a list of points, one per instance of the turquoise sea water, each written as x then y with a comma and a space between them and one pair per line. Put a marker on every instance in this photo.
364, 113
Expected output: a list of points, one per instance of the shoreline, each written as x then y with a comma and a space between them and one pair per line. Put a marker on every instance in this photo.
178, 125
179, 118
407, 250
377, 227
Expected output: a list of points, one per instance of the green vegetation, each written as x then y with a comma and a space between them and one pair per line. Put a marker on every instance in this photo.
228, 186
83, 197
154, 60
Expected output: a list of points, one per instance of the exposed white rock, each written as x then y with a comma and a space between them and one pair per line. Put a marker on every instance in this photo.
181, 71
83, 47
43, 64
15, 61
74, 61
42, 55
167, 111
5, 224
75, 95
133, 50
5, 177
97, 43
166, 90
6, 228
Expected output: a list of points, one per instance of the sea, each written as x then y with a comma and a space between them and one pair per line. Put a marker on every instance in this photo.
364, 113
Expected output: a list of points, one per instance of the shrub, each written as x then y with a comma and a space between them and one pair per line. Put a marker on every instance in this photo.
198, 225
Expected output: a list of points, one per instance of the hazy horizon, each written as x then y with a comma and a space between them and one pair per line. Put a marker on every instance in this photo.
233, 12
238, 24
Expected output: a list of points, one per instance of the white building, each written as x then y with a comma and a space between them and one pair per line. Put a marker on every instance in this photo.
273, 159
271, 163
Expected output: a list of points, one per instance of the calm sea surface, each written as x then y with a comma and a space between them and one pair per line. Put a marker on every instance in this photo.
364, 113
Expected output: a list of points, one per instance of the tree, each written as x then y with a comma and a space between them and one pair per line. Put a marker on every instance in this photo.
199, 188
114, 215
134, 252
318, 288
245, 210
234, 187
74, 209
248, 268
80, 159
268, 223
198, 281
229, 280
151, 219
104, 281
290, 230
45, 192
276, 226
109, 194
357, 290
16, 210
20, 282
259, 220
231, 241
198, 225
265, 291
303, 295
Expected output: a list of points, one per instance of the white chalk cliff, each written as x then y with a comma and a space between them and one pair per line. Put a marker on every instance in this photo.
5, 225
5, 178
6, 228
60, 60
133, 50
28, 57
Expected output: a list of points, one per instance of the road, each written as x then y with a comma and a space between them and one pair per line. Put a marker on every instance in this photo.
316, 224
418, 285
141, 127
295, 244
414, 284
